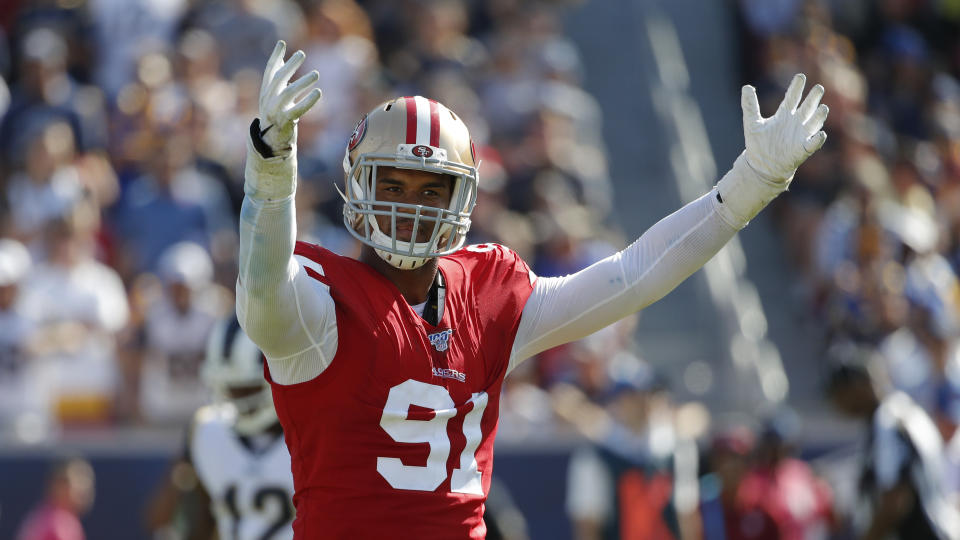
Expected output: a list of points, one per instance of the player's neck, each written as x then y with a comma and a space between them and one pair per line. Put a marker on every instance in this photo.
414, 285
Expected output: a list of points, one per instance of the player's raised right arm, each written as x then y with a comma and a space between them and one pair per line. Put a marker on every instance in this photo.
284, 311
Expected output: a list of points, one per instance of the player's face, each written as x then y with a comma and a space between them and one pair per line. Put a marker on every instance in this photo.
412, 187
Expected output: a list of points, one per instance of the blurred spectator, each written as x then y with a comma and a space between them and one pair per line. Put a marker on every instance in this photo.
245, 36
628, 483
787, 489
123, 30
70, 492
569, 240
502, 516
45, 91
339, 45
902, 482
766, 17
175, 336
211, 99
156, 213
19, 393
78, 305
47, 185
724, 515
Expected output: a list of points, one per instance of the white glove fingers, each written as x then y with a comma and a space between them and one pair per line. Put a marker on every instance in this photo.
273, 64
298, 87
750, 105
814, 142
819, 117
305, 104
285, 72
794, 92
809, 105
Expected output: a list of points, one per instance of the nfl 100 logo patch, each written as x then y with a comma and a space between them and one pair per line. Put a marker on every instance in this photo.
441, 340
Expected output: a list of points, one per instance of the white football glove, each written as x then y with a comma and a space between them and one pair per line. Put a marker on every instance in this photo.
279, 112
776, 146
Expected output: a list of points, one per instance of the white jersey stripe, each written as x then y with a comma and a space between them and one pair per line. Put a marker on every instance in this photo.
423, 120
307, 263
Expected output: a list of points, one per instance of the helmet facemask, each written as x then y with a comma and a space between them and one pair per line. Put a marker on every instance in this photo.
447, 227
255, 411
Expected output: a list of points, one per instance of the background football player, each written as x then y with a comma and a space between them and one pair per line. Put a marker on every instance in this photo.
387, 370
903, 483
234, 476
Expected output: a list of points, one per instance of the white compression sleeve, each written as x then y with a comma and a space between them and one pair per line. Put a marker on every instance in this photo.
288, 314
565, 309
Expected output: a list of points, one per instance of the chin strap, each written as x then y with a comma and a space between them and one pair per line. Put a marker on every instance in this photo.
433, 311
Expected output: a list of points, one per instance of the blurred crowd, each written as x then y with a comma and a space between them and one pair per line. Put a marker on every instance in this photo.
122, 143
123, 128
872, 224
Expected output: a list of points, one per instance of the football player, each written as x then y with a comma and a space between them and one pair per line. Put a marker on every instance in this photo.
903, 491
386, 371
234, 475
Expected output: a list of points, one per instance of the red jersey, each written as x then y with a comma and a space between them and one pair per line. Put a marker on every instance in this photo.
394, 439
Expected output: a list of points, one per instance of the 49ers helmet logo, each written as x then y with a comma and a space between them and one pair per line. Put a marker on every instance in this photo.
421, 151
358, 133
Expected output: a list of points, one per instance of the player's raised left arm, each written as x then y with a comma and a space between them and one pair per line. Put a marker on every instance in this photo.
565, 309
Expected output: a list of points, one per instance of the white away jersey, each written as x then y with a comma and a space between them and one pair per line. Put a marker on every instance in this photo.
250, 490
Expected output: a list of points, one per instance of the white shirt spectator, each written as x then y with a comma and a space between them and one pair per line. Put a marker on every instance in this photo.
177, 327
171, 389
92, 297
910, 367
33, 203
19, 392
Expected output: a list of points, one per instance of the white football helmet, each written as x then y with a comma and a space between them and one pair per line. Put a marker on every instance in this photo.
409, 133
234, 365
